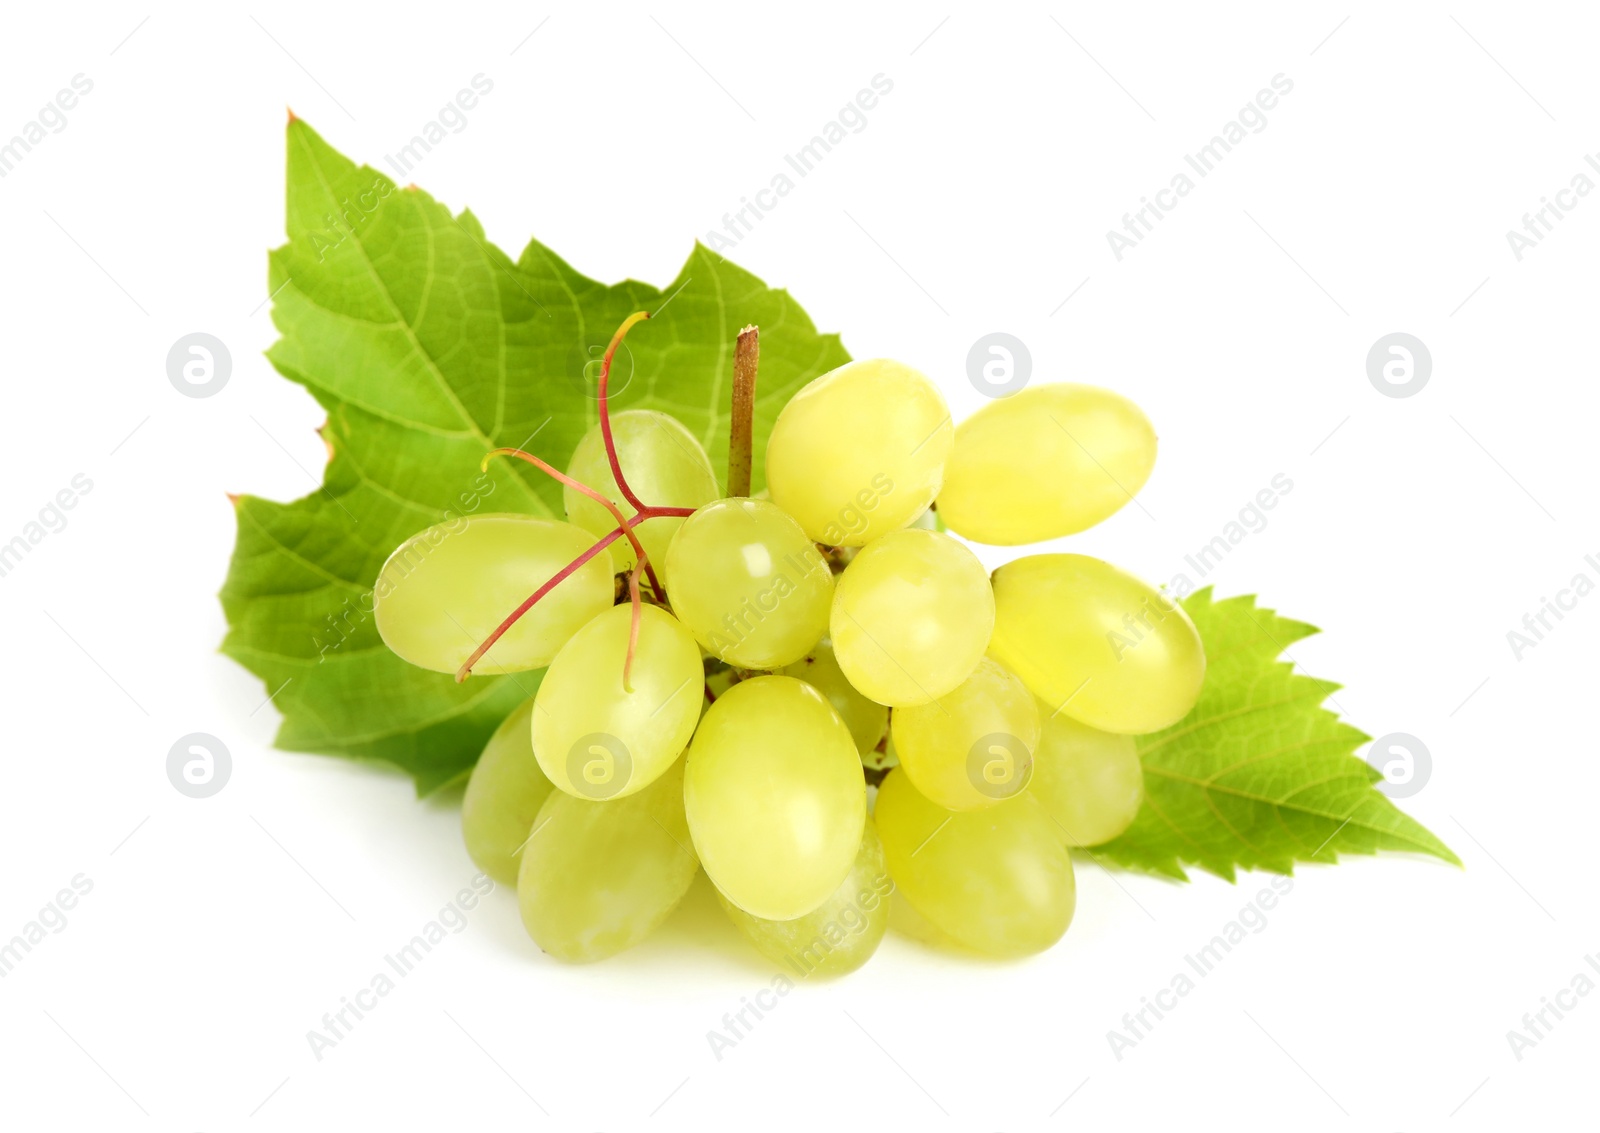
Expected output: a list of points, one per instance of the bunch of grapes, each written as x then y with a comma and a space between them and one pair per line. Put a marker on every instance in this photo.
821, 698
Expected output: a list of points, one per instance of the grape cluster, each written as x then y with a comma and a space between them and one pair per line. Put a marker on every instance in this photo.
822, 699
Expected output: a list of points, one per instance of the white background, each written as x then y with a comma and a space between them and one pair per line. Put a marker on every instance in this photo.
1418, 532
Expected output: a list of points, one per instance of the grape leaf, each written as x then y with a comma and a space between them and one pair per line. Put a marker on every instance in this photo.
1259, 775
427, 346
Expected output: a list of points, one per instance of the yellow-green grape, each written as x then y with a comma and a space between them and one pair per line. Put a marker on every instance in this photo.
664, 465
1048, 461
1096, 643
599, 738
860, 451
775, 796
839, 935
599, 877
503, 796
973, 747
749, 584
997, 880
446, 589
904, 919
867, 719
1088, 781
911, 617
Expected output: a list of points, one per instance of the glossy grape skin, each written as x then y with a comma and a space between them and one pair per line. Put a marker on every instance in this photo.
775, 796
586, 722
1061, 622
598, 877
1047, 461
1089, 782
749, 584
912, 614
867, 719
998, 880
503, 796
839, 935
445, 590
860, 451
664, 465
936, 742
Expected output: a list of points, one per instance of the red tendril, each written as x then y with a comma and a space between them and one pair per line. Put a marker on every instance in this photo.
561, 576
605, 414
624, 526
616, 512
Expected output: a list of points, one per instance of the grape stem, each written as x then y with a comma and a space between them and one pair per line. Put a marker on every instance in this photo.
603, 501
624, 526
561, 576
605, 414
741, 439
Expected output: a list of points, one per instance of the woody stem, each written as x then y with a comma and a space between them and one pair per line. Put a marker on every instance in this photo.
741, 439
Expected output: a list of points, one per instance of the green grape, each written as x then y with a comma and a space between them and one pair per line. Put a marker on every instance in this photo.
599, 877
859, 452
1051, 460
664, 465
839, 935
749, 584
1097, 643
904, 919
998, 880
911, 617
775, 796
1090, 782
503, 796
446, 589
598, 738
867, 719
973, 747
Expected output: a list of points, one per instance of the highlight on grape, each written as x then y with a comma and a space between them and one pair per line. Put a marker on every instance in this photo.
816, 695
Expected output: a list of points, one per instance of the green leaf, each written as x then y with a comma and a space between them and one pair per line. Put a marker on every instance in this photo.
1259, 775
427, 347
